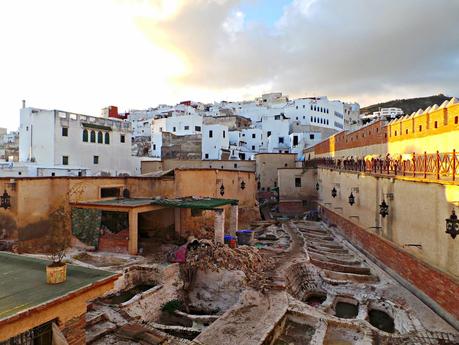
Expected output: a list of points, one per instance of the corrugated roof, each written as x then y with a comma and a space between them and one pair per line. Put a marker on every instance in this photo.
196, 203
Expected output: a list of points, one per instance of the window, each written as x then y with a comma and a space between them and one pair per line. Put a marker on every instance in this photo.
224, 134
436, 124
123, 138
456, 120
395, 133
174, 129
303, 106
235, 165
254, 135
311, 136
65, 160
211, 134
197, 128
100, 138
107, 138
186, 128
154, 147
161, 129
297, 182
110, 192
277, 117
95, 160
268, 134
295, 140
253, 147
281, 140
65, 131
311, 118
296, 107
206, 156
311, 107
406, 131
93, 136
420, 128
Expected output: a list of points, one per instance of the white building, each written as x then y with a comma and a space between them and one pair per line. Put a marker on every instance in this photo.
215, 140
388, 113
60, 139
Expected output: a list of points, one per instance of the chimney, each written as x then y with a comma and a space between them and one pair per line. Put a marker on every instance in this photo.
23, 104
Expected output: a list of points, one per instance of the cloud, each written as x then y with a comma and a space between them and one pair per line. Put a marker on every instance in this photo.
356, 49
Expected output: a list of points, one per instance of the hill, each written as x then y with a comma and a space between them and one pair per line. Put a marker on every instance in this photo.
408, 105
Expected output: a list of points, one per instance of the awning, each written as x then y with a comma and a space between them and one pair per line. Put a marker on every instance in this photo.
202, 204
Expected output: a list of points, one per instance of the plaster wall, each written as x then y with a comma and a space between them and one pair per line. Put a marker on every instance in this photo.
167, 164
267, 165
417, 213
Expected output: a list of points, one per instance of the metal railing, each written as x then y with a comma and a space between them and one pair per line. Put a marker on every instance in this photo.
429, 166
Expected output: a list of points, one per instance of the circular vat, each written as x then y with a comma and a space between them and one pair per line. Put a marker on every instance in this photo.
315, 299
381, 320
346, 308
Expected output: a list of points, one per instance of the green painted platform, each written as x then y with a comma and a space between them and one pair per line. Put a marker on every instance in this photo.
23, 283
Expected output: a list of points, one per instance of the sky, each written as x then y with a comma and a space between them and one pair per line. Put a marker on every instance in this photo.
83, 55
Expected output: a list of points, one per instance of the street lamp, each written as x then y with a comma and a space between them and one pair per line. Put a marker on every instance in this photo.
351, 199
383, 209
317, 186
5, 200
452, 225
334, 192
242, 185
222, 190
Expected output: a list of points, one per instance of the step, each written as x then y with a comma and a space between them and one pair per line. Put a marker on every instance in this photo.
93, 317
98, 330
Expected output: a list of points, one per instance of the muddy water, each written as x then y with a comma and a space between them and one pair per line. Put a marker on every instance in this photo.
124, 296
346, 310
381, 320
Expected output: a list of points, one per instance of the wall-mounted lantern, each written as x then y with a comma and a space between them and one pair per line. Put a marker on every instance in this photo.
351, 199
222, 190
334, 192
452, 225
383, 209
317, 186
242, 185
5, 201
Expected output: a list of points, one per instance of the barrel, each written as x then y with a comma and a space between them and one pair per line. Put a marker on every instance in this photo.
244, 237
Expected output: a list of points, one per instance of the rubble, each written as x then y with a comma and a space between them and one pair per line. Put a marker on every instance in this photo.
215, 257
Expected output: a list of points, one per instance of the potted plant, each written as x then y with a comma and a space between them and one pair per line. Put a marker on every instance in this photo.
59, 241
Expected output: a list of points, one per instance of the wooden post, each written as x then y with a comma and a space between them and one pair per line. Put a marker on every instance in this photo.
133, 232
414, 164
425, 164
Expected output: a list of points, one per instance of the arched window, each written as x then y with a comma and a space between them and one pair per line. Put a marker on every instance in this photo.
85, 135
107, 138
93, 137
100, 137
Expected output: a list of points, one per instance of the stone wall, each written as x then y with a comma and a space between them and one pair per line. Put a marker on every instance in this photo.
439, 286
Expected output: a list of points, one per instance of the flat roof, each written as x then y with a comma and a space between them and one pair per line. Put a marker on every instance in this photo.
196, 203
23, 283
124, 202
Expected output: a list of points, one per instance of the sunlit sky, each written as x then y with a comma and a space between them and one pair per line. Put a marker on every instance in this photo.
82, 55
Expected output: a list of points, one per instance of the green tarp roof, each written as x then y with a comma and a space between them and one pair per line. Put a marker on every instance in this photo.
23, 283
203, 204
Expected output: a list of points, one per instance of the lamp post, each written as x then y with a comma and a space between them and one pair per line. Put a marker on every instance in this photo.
383, 209
242, 185
222, 190
317, 186
452, 225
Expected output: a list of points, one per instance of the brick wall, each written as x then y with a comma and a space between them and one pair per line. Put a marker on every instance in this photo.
74, 330
440, 287
292, 207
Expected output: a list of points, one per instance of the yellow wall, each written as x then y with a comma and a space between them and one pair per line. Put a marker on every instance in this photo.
267, 165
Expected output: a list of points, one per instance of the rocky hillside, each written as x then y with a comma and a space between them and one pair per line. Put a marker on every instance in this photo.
408, 105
